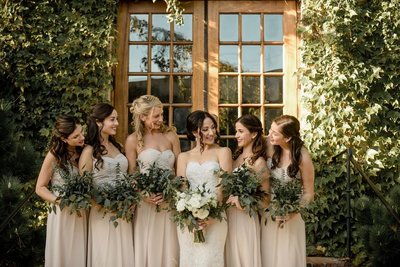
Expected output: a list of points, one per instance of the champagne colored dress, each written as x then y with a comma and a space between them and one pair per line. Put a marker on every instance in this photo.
156, 242
283, 247
211, 252
109, 245
66, 234
243, 240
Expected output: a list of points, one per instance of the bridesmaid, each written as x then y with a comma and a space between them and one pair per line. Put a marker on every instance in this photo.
286, 247
107, 245
243, 242
155, 237
66, 233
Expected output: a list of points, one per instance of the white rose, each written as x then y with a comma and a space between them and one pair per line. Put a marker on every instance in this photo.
180, 205
195, 201
201, 213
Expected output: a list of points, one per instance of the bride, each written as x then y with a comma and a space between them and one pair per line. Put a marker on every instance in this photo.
198, 166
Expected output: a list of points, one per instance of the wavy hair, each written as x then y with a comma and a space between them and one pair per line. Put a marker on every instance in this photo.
259, 147
64, 126
143, 106
99, 113
194, 122
289, 128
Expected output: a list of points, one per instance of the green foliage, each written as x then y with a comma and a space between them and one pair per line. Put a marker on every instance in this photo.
350, 77
56, 59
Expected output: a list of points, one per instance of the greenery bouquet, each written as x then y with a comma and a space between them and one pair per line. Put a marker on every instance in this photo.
244, 183
193, 205
157, 180
285, 198
74, 193
118, 197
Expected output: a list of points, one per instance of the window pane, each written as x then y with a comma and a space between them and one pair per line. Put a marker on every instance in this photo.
137, 87
251, 89
166, 115
160, 58
228, 27
273, 89
273, 58
251, 58
227, 117
159, 87
253, 110
273, 27
138, 60
182, 58
185, 145
229, 142
228, 89
270, 114
228, 58
182, 89
180, 115
184, 32
251, 28
139, 27
160, 30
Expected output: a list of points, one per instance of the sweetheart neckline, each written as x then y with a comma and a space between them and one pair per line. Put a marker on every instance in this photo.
105, 156
202, 163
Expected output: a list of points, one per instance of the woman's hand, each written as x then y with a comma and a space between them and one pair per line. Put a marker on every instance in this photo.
157, 199
203, 224
234, 201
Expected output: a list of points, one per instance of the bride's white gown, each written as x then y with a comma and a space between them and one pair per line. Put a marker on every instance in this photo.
210, 253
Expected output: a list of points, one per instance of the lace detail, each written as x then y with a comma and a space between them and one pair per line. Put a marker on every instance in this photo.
163, 159
111, 167
57, 178
280, 173
202, 173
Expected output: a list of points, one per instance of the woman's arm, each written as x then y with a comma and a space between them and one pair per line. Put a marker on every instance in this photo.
45, 175
86, 160
260, 167
307, 175
130, 152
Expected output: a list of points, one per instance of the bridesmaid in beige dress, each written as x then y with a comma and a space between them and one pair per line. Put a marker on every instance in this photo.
286, 246
66, 233
107, 245
152, 142
243, 242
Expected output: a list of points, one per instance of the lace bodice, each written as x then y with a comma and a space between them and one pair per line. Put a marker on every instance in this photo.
57, 178
280, 173
202, 173
111, 167
162, 159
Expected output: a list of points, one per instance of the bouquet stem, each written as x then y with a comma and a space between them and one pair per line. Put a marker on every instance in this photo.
198, 236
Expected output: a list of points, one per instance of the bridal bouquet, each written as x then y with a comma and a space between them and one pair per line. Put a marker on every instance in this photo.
75, 193
157, 180
285, 199
193, 205
118, 197
244, 183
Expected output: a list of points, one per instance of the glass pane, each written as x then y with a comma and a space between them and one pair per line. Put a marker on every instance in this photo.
180, 115
273, 27
182, 89
228, 142
227, 117
273, 58
182, 58
160, 58
139, 30
273, 89
160, 30
138, 60
228, 27
185, 145
166, 115
270, 114
184, 32
228, 58
130, 120
159, 87
251, 28
251, 89
251, 58
137, 87
228, 89
253, 110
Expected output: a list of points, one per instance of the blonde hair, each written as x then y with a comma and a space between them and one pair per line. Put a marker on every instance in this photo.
144, 106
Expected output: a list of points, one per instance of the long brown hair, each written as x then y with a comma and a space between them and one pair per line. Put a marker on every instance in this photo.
290, 128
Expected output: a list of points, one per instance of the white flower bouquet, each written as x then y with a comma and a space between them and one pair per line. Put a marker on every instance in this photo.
194, 205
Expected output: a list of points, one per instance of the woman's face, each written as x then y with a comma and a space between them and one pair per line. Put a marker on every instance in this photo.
243, 136
275, 136
154, 120
209, 131
76, 138
110, 124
